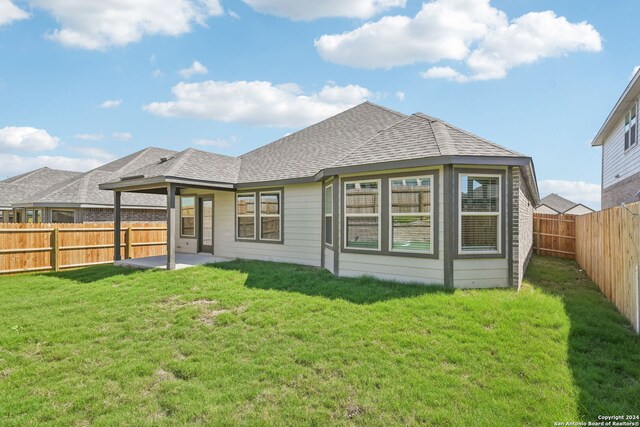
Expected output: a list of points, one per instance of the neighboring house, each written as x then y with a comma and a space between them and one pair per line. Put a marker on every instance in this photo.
369, 191
78, 199
27, 184
554, 204
618, 137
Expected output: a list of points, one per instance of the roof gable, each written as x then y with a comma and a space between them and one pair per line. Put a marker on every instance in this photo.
558, 203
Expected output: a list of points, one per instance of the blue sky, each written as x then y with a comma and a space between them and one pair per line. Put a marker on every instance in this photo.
81, 84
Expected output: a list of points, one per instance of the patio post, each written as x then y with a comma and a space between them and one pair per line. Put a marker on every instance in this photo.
171, 227
116, 225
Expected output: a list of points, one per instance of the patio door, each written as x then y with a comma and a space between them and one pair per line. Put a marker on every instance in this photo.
205, 233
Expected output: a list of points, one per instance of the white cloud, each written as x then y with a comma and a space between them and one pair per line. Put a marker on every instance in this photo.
95, 153
156, 73
195, 68
97, 25
122, 136
258, 102
400, 95
111, 103
9, 13
27, 139
217, 143
12, 164
89, 136
576, 191
232, 14
313, 9
459, 30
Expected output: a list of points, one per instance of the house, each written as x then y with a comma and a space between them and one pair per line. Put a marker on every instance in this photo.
369, 191
554, 204
25, 185
78, 199
618, 138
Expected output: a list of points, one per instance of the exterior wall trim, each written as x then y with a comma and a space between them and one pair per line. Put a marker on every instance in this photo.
457, 171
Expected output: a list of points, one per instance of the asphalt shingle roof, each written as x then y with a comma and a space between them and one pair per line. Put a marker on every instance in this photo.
27, 184
420, 136
558, 203
308, 151
193, 164
83, 189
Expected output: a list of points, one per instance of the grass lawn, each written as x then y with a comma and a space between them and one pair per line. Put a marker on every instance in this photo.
257, 343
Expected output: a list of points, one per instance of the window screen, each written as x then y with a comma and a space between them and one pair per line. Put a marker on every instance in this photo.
411, 210
362, 214
479, 213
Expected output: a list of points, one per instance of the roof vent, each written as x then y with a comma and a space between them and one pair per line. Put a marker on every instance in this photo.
166, 158
127, 178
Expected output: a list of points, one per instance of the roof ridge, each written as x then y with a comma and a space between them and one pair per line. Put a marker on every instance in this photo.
371, 138
323, 121
373, 104
180, 159
443, 138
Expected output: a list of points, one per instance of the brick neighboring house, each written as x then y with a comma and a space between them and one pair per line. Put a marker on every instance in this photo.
25, 185
618, 138
78, 198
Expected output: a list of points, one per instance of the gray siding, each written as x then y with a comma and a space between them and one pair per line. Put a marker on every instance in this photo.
524, 235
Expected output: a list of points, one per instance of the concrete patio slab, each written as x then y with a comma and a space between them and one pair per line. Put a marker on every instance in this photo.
182, 261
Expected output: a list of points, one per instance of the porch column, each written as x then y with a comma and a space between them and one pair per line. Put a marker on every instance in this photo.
171, 227
116, 225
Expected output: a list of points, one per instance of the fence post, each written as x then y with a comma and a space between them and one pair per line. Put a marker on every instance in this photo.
537, 236
129, 236
55, 249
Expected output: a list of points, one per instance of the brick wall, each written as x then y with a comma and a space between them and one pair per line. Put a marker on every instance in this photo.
522, 227
623, 191
132, 215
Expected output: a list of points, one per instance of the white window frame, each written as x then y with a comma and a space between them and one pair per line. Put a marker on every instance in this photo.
624, 125
195, 200
498, 214
328, 215
365, 215
429, 214
279, 215
255, 209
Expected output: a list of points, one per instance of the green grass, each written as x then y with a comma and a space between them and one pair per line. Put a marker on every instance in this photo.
255, 343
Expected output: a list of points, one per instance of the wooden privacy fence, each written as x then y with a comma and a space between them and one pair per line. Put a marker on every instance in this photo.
554, 235
608, 249
37, 247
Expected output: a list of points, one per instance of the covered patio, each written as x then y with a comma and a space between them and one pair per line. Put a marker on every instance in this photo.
190, 169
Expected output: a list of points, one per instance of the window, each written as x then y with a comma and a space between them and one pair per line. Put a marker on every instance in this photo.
362, 215
62, 217
270, 215
188, 216
480, 212
411, 202
328, 214
246, 213
34, 216
630, 129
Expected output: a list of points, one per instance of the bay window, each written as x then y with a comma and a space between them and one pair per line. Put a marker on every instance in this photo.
411, 214
480, 213
362, 214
